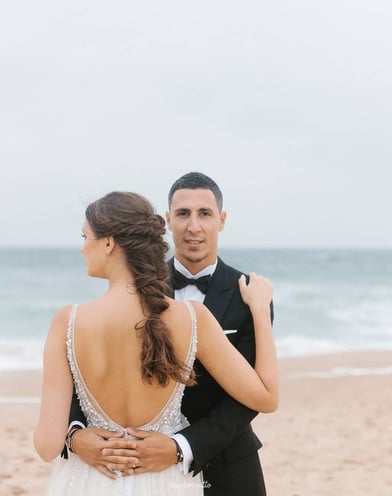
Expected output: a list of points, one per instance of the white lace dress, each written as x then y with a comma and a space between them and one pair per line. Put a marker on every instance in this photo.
73, 477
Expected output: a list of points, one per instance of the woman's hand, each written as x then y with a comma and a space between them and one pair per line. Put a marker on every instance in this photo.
257, 293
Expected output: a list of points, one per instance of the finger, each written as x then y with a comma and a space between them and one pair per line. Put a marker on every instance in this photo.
126, 453
131, 471
123, 444
134, 471
128, 466
242, 281
105, 471
125, 461
109, 434
137, 432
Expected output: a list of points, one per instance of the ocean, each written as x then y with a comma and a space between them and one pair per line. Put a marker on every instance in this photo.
326, 300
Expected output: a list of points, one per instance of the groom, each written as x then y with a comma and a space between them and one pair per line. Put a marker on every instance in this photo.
220, 441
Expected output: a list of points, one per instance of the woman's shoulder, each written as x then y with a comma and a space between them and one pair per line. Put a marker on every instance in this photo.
62, 315
178, 313
181, 313
59, 324
177, 306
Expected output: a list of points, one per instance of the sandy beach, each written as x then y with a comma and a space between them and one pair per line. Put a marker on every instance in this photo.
332, 434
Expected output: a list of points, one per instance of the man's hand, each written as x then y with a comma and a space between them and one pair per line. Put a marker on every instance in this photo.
154, 450
105, 450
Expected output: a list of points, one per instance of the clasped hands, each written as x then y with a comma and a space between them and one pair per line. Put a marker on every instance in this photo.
109, 451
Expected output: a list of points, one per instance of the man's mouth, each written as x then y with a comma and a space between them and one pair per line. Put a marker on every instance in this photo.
193, 242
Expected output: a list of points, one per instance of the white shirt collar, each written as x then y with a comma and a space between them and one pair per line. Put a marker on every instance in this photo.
207, 271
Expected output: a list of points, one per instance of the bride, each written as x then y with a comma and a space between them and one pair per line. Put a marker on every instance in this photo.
130, 352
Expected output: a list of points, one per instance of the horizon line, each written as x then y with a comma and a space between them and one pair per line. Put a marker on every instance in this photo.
223, 247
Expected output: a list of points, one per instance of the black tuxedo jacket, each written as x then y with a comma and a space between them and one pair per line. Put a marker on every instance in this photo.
220, 428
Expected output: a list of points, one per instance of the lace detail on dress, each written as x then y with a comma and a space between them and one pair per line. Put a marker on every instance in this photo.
169, 419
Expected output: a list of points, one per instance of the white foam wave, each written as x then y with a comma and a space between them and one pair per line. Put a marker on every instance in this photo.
26, 354
344, 371
297, 345
21, 354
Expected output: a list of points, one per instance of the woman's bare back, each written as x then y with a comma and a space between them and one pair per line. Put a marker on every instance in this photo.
107, 353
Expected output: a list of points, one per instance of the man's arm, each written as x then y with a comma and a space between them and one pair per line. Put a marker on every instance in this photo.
76, 418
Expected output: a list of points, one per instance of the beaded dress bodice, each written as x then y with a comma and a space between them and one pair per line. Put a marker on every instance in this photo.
168, 421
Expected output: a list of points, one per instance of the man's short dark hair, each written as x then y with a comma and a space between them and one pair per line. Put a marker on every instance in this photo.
197, 180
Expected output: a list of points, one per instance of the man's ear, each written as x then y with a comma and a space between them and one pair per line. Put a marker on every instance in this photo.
168, 220
222, 216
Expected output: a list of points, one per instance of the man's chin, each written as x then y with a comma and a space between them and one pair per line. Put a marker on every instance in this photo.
194, 257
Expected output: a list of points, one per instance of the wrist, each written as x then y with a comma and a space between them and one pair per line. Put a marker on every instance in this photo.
69, 437
179, 453
260, 310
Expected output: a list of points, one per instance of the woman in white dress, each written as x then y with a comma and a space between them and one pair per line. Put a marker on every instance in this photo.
130, 352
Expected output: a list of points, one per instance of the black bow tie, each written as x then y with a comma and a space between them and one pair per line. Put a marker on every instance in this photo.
179, 281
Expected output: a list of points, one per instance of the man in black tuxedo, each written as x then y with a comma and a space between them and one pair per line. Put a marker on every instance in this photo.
220, 440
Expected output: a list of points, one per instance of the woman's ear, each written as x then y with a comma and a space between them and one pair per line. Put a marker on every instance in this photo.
109, 244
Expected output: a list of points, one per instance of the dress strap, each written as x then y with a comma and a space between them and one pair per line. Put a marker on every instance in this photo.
71, 321
193, 314
73, 313
70, 332
193, 343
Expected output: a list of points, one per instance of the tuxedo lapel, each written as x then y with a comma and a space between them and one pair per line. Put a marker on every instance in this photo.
219, 294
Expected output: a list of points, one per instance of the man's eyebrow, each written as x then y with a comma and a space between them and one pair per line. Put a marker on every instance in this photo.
182, 209
186, 209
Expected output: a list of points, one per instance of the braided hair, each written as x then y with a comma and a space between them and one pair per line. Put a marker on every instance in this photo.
132, 222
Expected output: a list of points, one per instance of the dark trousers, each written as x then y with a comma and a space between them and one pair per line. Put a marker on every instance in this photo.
242, 477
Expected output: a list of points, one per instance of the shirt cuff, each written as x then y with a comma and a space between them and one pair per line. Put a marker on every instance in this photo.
74, 423
186, 451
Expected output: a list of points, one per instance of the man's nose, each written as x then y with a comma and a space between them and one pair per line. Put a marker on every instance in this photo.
193, 224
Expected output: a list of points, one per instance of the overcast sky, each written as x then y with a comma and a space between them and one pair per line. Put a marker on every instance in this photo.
286, 104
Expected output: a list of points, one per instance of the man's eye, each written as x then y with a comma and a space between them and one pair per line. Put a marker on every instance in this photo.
83, 236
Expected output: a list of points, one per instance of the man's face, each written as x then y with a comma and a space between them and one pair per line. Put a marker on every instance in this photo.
195, 222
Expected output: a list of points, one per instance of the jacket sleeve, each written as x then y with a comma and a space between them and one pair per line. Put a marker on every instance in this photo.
213, 434
75, 415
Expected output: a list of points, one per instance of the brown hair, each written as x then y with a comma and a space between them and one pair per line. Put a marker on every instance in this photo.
131, 220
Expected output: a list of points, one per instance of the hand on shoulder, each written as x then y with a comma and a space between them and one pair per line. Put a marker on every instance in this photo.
258, 292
